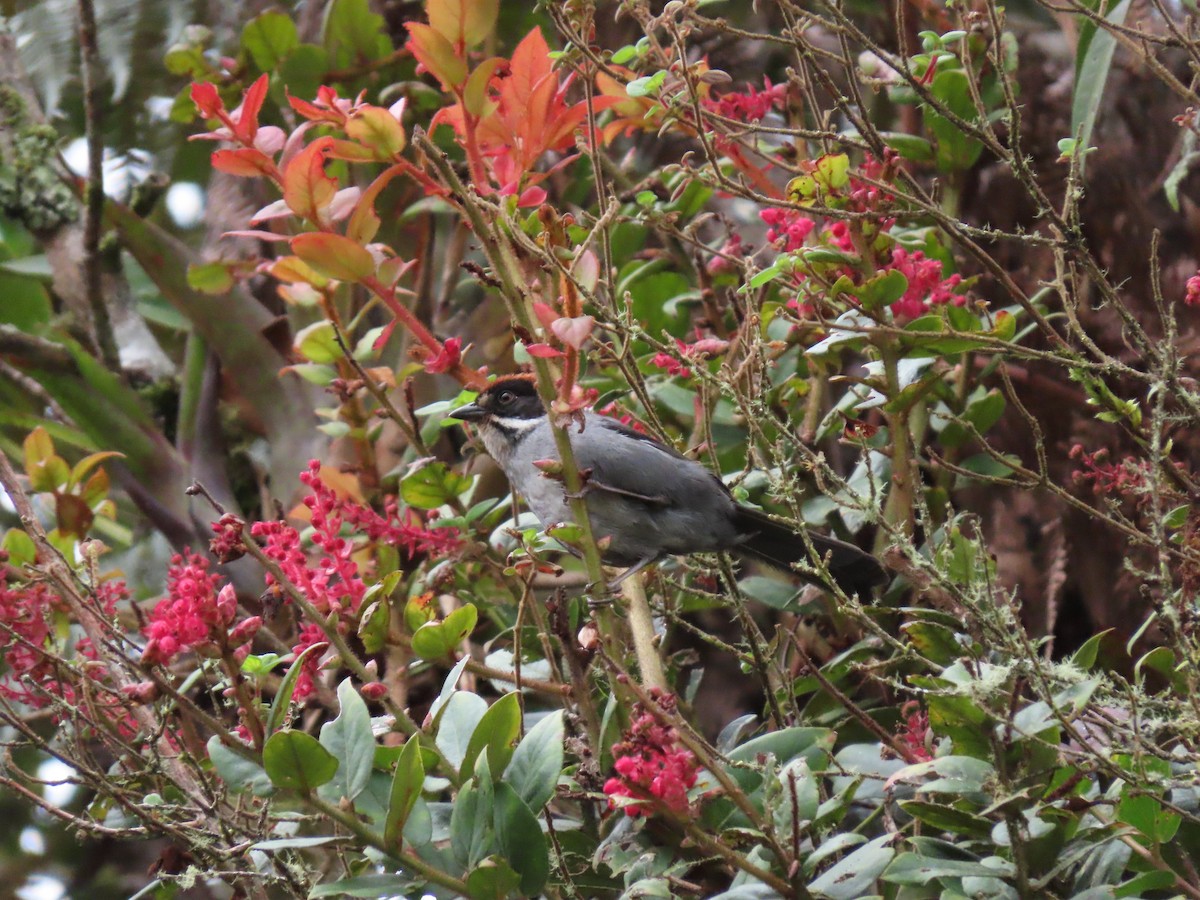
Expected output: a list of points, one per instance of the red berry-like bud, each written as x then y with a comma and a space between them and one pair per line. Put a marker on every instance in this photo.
374, 690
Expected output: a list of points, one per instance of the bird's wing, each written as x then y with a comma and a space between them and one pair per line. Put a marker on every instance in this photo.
636, 465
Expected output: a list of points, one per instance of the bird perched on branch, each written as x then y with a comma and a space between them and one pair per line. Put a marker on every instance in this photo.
646, 499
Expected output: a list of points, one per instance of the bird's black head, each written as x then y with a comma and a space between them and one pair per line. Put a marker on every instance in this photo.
514, 399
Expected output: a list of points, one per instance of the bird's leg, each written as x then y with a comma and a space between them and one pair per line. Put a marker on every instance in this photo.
632, 570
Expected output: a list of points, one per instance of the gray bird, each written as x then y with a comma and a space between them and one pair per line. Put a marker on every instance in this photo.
647, 499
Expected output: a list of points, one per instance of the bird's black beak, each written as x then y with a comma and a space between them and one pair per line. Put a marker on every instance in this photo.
469, 413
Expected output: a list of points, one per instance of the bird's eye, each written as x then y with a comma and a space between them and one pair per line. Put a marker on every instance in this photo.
506, 397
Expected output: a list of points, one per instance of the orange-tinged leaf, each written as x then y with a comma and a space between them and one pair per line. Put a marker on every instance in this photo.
306, 188
334, 255
88, 463
244, 161
95, 489
436, 54
294, 270
376, 128
350, 151
364, 221
463, 21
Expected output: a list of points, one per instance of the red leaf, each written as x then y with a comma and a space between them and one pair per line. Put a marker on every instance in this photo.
244, 161
546, 314
306, 187
532, 196
446, 359
315, 113
384, 335
542, 351
334, 256
246, 116
207, 100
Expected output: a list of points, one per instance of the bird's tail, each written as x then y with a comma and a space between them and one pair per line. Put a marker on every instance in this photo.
855, 571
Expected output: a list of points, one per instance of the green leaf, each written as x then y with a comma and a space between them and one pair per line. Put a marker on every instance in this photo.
982, 413
772, 592
374, 623
537, 762
472, 836
436, 640
957, 775
20, 548
955, 150
238, 773
942, 817
493, 879
295, 843
406, 790
349, 739
811, 744
268, 38
767, 275
910, 868
295, 760
933, 641
368, 887
908, 146
646, 85
882, 290
432, 485
287, 686
354, 34
1146, 883
521, 840
1093, 61
303, 71
1149, 816
853, 877
1085, 656
318, 343
496, 733
456, 723
213, 278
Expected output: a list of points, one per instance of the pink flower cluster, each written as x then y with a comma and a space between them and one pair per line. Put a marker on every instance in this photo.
28, 644
750, 105
1192, 297
406, 531
787, 229
651, 766
195, 615
914, 732
1125, 478
926, 286
334, 584
25, 611
699, 349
